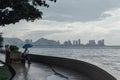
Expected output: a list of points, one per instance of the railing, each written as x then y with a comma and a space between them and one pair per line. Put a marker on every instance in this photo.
90, 70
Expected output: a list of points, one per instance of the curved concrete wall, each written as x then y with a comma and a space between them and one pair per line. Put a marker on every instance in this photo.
90, 70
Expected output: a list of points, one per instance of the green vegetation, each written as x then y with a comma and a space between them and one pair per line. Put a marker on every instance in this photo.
12, 11
14, 48
4, 73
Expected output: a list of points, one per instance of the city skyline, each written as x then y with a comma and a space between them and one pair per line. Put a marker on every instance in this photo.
45, 41
67, 42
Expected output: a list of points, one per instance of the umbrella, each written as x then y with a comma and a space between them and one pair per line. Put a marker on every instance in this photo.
27, 46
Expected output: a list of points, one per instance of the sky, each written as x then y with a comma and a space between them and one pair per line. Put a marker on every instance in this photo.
72, 20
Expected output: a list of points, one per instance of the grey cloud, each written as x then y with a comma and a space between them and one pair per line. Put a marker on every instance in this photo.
40, 34
79, 10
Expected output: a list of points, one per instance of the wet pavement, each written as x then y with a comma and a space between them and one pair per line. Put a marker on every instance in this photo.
38, 71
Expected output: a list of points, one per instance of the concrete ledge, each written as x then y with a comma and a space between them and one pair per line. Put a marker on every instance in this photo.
90, 70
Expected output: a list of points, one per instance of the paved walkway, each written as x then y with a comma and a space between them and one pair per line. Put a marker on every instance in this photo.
38, 71
43, 72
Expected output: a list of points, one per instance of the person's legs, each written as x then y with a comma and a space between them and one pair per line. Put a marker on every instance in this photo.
28, 58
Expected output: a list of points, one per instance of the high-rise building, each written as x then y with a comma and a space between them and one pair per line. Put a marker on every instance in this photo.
65, 43
101, 42
79, 42
92, 43
69, 42
74, 42
58, 42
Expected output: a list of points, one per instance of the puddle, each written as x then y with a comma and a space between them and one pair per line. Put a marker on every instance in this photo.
54, 77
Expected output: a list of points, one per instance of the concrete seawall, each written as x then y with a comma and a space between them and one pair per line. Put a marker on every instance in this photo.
90, 70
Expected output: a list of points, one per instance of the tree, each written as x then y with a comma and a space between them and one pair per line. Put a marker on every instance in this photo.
12, 11
1, 40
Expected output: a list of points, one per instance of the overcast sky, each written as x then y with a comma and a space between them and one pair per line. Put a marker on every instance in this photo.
73, 19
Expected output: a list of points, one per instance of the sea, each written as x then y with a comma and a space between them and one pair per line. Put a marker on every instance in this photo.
109, 58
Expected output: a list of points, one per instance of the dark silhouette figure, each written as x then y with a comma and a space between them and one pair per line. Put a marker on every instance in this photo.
25, 55
7, 53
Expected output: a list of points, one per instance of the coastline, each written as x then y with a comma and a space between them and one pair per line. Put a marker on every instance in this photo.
80, 47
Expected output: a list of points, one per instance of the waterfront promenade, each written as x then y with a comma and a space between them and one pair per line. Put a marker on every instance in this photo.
39, 71
47, 68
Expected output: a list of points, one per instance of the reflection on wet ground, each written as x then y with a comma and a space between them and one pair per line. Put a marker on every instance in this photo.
43, 72
39, 71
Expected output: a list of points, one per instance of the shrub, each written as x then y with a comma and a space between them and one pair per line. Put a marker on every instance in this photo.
14, 48
4, 73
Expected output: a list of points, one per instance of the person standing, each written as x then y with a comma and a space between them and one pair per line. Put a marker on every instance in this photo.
26, 56
7, 54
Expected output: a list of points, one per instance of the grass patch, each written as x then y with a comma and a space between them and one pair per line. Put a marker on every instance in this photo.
4, 73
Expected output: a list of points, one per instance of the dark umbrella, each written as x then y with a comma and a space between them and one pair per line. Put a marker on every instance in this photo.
27, 46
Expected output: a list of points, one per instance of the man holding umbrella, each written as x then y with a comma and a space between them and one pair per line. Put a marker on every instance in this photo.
26, 52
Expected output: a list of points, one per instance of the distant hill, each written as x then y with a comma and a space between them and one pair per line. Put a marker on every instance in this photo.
45, 42
40, 42
13, 41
